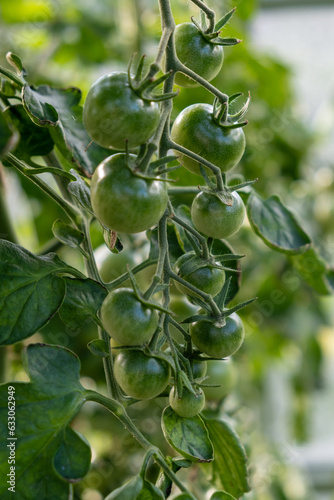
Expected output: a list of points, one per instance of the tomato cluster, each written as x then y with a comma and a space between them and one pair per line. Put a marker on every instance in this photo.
129, 196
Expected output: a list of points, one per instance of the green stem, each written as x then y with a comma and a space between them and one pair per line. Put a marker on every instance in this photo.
11, 76
210, 14
52, 161
119, 411
183, 190
163, 248
23, 169
125, 276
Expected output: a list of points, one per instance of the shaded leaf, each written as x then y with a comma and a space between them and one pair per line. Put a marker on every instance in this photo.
83, 299
188, 436
59, 109
73, 457
315, 271
81, 192
229, 468
34, 140
30, 291
276, 225
8, 137
221, 495
98, 347
150, 492
44, 408
129, 490
67, 234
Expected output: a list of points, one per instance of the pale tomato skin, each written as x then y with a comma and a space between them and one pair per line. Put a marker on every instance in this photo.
222, 373
123, 201
215, 219
196, 130
188, 405
204, 58
113, 113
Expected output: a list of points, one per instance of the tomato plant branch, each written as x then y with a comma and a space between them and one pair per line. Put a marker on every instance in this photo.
210, 14
52, 161
119, 411
11, 76
125, 276
24, 170
163, 248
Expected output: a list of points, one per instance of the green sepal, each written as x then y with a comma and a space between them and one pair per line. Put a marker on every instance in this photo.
98, 347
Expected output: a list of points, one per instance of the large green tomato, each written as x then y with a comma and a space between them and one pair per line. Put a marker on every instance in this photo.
196, 129
208, 279
126, 319
188, 405
199, 55
141, 376
218, 342
123, 201
113, 113
215, 219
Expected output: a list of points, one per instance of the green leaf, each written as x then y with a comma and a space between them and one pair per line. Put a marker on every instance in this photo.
16, 63
59, 109
150, 492
30, 291
34, 140
8, 137
315, 271
188, 436
221, 495
81, 192
44, 408
67, 234
73, 457
83, 299
276, 225
98, 347
129, 490
229, 468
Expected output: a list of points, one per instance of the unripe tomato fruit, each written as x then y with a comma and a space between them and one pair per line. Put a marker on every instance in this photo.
196, 129
208, 279
124, 202
215, 219
113, 113
218, 342
199, 55
188, 405
126, 319
222, 373
198, 368
141, 376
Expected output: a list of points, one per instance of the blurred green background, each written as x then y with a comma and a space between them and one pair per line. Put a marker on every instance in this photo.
283, 399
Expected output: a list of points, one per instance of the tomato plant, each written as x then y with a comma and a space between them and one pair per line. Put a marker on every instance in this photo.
216, 219
218, 341
141, 376
123, 201
188, 404
197, 129
103, 197
126, 319
115, 115
200, 273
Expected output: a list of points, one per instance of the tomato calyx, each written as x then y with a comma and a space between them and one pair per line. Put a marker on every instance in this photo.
144, 87
212, 36
142, 167
219, 320
221, 112
193, 261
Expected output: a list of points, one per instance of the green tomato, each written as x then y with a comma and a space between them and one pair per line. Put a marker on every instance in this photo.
124, 202
218, 342
141, 376
222, 373
198, 368
188, 405
209, 279
199, 55
113, 113
196, 129
215, 219
126, 319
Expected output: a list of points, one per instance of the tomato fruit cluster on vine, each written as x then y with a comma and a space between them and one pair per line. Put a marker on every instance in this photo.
129, 194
